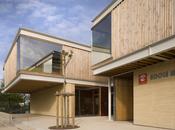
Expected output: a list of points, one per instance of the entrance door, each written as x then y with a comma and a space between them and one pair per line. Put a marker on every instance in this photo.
124, 97
104, 101
87, 102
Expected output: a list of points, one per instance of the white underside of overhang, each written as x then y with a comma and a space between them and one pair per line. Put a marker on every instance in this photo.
61, 80
12, 84
151, 50
52, 79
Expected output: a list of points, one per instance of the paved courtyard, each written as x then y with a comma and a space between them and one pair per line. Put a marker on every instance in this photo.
85, 123
9, 128
6, 126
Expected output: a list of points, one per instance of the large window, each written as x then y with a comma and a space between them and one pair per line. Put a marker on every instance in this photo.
38, 55
101, 36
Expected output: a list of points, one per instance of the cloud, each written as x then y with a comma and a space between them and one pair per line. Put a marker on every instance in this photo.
36, 8
69, 19
73, 23
56, 20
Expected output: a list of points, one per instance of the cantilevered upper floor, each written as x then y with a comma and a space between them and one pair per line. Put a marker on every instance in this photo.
127, 27
35, 62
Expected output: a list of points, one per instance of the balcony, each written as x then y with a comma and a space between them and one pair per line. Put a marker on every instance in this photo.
38, 65
45, 73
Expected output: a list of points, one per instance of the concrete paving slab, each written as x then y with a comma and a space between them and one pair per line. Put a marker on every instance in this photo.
85, 123
9, 128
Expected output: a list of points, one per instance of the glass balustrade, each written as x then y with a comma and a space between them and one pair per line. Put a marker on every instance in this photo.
39, 56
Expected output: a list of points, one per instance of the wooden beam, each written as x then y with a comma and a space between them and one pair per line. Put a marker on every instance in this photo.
143, 64
147, 62
170, 53
165, 56
152, 60
160, 58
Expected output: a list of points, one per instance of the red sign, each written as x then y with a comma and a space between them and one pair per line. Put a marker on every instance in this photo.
143, 78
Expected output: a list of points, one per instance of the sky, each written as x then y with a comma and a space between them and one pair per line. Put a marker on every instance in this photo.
69, 19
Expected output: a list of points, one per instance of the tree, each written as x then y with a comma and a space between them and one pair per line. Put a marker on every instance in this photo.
1, 84
10, 102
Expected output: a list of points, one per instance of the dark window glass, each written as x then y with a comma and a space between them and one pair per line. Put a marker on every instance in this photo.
101, 35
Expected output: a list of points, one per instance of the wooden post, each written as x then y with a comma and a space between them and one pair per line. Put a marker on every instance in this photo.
64, 102
62, 111
65, 110
73, 112
57, 99
68, 110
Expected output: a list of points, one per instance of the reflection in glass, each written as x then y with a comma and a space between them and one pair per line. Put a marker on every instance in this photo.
47, 66
101, 34
38, 56
101, 40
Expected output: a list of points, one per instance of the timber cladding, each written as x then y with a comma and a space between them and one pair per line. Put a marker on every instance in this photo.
139, 23
10, 66
44, 102
124, 99
80, 66
154, 101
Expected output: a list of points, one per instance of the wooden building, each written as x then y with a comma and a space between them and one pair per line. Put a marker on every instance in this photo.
34, 66
134, 45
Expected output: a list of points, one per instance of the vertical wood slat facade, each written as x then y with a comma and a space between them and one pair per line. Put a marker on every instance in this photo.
10, 66
139, 23
124, 99
80, 65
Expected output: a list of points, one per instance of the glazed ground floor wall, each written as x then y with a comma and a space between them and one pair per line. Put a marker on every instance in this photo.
91, 101
154, 95
44, 102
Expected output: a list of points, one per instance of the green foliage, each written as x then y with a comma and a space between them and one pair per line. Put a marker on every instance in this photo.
10, 102
11, 97
1, 84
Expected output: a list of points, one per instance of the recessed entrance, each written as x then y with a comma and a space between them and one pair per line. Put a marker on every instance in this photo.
124, 97
90, 101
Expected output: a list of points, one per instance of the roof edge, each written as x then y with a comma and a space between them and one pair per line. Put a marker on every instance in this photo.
148, 49
18, 33
49, 35
25, 76
106, 8
13, 43
106, 11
